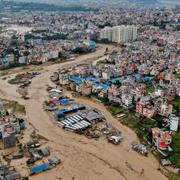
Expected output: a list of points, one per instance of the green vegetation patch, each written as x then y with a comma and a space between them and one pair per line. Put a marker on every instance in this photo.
174, 156
15, 107
172, 176
176, 104
177, 75
150, 89
115, 109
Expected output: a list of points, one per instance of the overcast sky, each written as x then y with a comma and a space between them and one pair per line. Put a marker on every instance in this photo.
77, 1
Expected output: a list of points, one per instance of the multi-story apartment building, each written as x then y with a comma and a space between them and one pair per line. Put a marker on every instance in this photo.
161, 139
119, 34
106, 33
127, 100
145, 109
174, 122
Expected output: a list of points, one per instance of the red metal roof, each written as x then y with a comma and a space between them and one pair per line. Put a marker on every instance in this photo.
55, 102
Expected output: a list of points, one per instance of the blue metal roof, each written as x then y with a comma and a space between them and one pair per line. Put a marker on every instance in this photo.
114, 80
67, 110
93, 79
92, 43
39, 168
64, 101
4, 61
104, 85
77, 79
22, 125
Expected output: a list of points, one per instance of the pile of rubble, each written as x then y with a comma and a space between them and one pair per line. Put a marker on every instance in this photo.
8, 172
38, 154
32, 151
54, 77
140, 148
52, 162
10, 127
23, 79
112, 134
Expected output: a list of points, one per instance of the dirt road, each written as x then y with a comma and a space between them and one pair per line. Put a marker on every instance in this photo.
82, 158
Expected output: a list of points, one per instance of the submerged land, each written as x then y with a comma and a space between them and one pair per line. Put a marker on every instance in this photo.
81, 157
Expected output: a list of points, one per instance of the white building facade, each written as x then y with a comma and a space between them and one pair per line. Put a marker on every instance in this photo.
174, 122
119, 34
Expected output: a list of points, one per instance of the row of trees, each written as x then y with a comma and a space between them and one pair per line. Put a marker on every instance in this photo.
56, 36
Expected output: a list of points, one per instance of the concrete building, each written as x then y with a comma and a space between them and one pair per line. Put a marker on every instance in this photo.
174, 122
22, 60
8, 135
161, 139
159, 93
166, 109
9, 128
106, 75
119, 34
2, 109
145, 109
10, 58
86, 89
106, 33
127, 100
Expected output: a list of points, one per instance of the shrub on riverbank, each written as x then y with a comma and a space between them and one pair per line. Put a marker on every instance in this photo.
174, 156
176, 105
15, 107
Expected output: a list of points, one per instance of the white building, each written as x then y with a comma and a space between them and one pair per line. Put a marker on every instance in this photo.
174, 122
54, 54
22, 60
106, 33
106, 75
159, 93
119, 34
10, 58
127, 99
